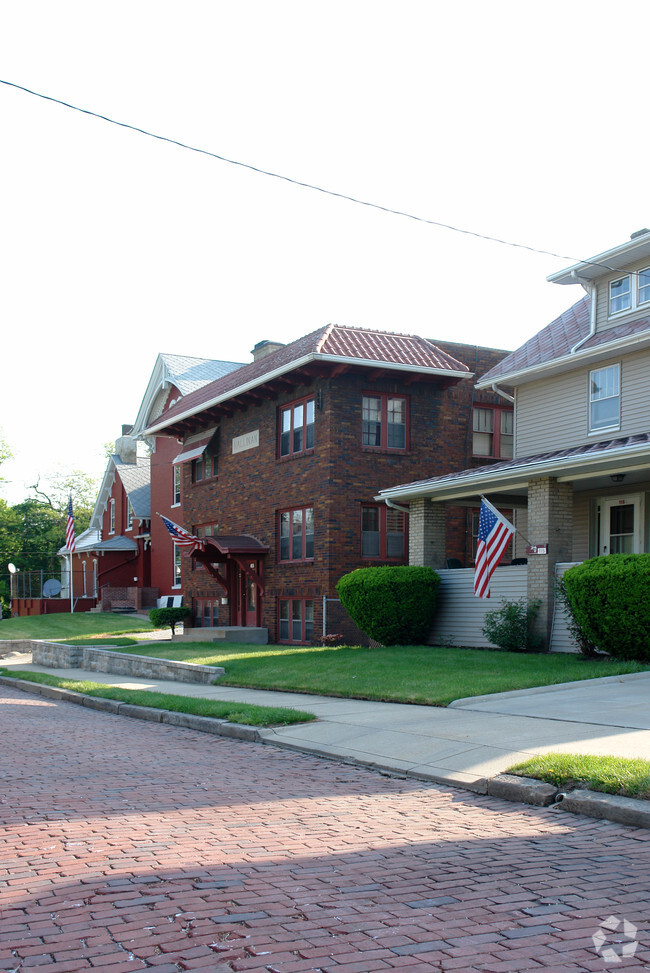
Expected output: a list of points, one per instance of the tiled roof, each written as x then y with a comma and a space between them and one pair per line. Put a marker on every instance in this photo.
520, 464
556, 340
326, 343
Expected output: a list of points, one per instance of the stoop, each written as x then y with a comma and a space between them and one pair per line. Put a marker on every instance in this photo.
225, 633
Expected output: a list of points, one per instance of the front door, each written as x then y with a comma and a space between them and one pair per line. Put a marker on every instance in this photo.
247, 598
620, 525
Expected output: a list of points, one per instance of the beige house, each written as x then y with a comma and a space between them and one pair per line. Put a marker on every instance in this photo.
579, 479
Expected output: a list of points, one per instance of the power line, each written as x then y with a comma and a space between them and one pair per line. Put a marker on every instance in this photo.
304, 185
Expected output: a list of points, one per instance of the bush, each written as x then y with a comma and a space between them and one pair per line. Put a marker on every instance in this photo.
584, 644
510, 627
169, 617
5, 609
394, 605
610, 602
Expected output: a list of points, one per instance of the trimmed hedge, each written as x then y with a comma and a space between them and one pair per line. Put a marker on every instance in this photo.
609, 598
163, 617
394, 605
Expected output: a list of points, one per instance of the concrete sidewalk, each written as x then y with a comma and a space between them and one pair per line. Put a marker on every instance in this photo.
464, 744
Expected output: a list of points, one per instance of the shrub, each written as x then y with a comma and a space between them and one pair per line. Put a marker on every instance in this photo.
510, 627
610, 603
5, 609
164, 617
394, 605
584, 644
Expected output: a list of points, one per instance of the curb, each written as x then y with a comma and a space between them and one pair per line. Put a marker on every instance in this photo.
522, 790
204, 724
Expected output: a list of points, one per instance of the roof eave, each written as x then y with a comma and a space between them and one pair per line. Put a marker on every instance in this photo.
603, 263
522, 375
516, 477
292, 366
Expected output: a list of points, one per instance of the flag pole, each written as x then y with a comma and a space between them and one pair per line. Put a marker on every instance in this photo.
71, 587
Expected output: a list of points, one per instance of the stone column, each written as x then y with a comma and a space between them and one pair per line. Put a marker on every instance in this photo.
550, 521
427, 533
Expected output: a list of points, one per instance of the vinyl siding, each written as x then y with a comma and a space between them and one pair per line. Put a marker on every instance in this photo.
552, 413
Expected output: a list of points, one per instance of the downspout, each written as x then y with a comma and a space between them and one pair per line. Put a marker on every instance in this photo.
504, 395
396, 506
592, 291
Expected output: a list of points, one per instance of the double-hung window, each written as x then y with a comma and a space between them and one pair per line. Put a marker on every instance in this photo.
644, 286
111, 516
383, 532
492, 431
177, 566
297, 427
295, 620
605, 398
129, 514
177, 486
384, 421
296, 528
620, 294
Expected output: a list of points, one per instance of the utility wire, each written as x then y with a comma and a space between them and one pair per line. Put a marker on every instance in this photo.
304, 185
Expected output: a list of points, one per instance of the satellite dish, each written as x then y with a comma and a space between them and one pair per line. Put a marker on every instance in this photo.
11, 568
51, 588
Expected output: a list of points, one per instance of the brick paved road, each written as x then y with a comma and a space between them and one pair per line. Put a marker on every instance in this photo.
133, 846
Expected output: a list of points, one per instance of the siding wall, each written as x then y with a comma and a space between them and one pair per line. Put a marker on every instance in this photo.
552, 413
460, 614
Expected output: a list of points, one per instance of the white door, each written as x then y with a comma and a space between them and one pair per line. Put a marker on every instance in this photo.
621, 519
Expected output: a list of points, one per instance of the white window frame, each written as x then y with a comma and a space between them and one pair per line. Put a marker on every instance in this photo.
610, 298
595, 429
111, 516
640, 287
176, 486
129, 515
177, 567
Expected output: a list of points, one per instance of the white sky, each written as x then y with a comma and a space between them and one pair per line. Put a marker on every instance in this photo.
524, 121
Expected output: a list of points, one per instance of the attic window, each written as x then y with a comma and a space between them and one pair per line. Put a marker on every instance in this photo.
620, 295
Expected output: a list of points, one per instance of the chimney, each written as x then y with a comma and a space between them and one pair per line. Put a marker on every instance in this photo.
126, 446
264, 348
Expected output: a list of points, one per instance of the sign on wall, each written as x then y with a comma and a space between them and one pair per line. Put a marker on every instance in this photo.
248, 441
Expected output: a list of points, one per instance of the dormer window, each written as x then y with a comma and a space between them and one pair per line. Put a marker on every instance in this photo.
620, 295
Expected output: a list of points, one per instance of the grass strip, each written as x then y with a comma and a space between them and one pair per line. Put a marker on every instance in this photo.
425, 674
119, 642
246, 713
66, 625
627, 777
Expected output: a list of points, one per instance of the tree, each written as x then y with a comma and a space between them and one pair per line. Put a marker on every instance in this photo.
5, 453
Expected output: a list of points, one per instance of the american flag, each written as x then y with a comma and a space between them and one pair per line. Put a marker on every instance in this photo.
494, 533
182, 536
69, 529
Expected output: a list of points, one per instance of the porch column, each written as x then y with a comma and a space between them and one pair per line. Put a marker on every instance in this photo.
427, 533
550, 521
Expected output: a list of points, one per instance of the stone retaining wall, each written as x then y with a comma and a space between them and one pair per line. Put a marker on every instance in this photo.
55, 656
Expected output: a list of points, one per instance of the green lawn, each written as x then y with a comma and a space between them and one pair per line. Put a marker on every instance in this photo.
71, 626
613, 775
247, 713
407, 674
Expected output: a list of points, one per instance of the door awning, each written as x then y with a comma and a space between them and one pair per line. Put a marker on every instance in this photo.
194, 446
231, 544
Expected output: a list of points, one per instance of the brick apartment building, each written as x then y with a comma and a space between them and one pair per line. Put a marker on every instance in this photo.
281, 461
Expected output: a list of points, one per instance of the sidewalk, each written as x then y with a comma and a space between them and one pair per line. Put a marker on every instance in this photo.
464, 745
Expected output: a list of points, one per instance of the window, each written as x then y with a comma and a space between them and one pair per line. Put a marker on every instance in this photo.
206, 466
383, 532
296, 620
206, 612
206, 530
384, 421
111, 516
492, 431
129, 514
620, 294
644, 286
297, 427
297, 534
604, 398
177, 566
177, 486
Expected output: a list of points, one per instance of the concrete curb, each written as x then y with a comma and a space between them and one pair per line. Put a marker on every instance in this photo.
525, 790
204, 724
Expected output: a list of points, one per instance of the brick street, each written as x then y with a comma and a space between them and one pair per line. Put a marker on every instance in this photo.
132, 846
